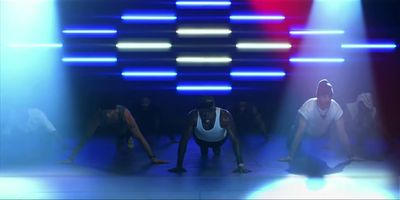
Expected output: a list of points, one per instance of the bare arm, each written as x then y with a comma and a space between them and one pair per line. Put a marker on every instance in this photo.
228, 122
301, 126
298, 136
91, 128
190, 123
185, 138
343, 137
134, 129
227, 119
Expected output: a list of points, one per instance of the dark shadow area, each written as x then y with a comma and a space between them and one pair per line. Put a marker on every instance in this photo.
122, 164
311, 166
212, 165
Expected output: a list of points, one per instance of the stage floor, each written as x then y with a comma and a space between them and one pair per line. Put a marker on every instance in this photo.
98, 174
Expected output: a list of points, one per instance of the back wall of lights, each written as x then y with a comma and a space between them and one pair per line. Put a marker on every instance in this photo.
146, 44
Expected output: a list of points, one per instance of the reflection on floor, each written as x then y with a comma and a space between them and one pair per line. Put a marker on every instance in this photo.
98, 174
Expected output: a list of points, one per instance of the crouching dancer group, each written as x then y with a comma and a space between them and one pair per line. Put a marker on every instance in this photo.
210, 127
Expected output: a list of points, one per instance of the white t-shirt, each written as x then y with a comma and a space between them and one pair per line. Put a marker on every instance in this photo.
316, 123
366, 99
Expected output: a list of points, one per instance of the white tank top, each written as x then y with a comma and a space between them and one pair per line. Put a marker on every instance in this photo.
217, 133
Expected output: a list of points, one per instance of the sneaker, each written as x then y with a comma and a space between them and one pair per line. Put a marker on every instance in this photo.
130, 143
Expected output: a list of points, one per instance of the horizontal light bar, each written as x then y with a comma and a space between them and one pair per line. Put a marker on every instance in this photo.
195, 59
89, 31
204, 88
149, 17
203, 31
149, 73
143, 45
89, 59
316, 60
257, 74
369, 46
248, 45
317, 32
203, 3
36, 45
256, 17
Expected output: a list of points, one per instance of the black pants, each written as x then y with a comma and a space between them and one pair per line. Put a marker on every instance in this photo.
204, 145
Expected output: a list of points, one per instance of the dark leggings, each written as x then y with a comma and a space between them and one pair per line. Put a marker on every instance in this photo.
204, 145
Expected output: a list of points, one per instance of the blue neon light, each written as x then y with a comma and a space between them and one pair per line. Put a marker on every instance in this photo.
149, 74
369, 46
258, 74
256, 17
165, 18
203, 88
208, 4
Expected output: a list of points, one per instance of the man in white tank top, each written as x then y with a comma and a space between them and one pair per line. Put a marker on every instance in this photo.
316, 116
211, 127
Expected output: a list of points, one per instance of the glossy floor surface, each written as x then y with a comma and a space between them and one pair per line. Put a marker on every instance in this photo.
98, 174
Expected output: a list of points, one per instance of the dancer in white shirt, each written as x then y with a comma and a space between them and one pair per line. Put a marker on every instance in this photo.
315, 118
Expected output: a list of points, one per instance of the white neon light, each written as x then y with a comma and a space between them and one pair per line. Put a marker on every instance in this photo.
148, 74
203, 31
143, 45
194, 59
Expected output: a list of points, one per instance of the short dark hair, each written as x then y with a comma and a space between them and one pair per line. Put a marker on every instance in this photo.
324, 88
206, 102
